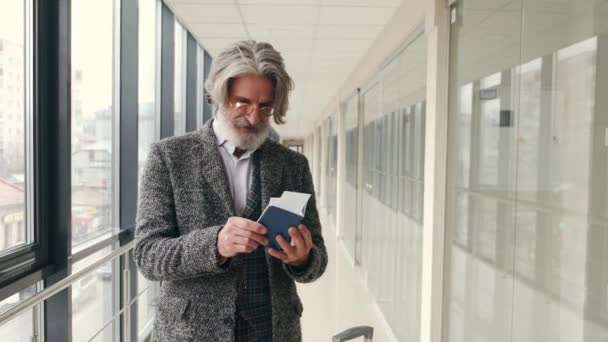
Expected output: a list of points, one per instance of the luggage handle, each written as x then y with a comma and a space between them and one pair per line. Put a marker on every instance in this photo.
354, 332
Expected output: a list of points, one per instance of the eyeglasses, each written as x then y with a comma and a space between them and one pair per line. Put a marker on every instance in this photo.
244, 108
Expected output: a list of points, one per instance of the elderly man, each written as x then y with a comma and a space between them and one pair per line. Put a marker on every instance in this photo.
201, 195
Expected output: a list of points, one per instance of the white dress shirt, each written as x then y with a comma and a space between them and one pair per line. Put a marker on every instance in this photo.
239, 171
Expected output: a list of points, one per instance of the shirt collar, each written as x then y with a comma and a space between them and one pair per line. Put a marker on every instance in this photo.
222, 141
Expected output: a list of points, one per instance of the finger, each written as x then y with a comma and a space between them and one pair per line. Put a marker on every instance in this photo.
261, 239
243, 249
307, 235
240, 240
287, 248
277, 254
251, 226
297, 240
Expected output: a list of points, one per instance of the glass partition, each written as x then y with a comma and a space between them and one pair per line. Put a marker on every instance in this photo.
385, 181
527, 190
350, 186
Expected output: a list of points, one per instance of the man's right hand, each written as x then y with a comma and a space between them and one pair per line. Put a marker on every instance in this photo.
240, 235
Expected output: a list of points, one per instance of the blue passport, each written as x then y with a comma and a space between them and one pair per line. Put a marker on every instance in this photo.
278, 221
281, 214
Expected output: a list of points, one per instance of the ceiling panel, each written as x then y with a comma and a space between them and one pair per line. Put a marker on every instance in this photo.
330, 46
280, 15
292, 46
363, 3
208, 14
197, 2
342, 15
320, 40
270, 31
226, 31
215, 45
348, 31
280, 2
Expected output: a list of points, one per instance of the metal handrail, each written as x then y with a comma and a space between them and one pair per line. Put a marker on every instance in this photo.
60, 285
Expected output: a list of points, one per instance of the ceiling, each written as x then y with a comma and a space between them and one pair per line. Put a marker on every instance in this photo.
321, 41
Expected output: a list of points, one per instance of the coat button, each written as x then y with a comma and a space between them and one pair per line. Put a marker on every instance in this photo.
228, 321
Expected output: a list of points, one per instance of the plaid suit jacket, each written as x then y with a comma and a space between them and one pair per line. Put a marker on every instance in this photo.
184, 201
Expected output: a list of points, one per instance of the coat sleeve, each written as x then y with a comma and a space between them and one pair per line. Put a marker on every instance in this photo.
317, 261
160, 252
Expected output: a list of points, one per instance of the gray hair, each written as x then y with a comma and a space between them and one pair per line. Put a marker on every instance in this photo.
244, 57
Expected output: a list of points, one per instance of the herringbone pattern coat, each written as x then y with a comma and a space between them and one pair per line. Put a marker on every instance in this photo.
184, 201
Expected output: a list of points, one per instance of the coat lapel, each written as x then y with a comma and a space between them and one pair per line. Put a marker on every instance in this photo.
212, 166
271, 173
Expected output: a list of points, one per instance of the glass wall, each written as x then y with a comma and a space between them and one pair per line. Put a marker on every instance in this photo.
22, 327
331, 174
148, 132
34, 59
527, 191
93, 120
13, 133
93, 301
384, 183
19, 329
200, 86
179, 97
350, 186
148, 125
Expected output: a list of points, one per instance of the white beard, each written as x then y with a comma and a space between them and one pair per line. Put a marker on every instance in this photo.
250, 141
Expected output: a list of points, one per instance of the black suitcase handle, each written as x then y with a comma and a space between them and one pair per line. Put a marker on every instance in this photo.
352, 333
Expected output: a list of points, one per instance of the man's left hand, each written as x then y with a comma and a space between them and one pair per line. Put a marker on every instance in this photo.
296, 253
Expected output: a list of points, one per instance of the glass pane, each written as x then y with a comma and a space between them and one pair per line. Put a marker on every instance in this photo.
566, 188
105, 333
393, 112
147, 79
482, 152
349, 217
145, 301
528, 128
19, 329
147, 292
93, 120
12, 126
200, 87
179, 100
93, 299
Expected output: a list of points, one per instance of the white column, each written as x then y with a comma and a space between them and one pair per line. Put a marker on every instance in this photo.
433, 244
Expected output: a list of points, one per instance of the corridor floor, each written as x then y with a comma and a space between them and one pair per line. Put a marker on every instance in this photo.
339, 299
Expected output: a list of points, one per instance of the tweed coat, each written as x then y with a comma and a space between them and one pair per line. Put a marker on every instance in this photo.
184, 202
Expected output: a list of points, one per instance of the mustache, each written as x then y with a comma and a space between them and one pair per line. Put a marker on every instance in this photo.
243, 123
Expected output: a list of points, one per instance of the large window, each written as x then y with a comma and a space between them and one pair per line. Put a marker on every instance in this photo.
200, 86
148, 126
93, 301
62, 136
13, 132
148, 132
527, 190
23, 327
179, 99
93, 120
